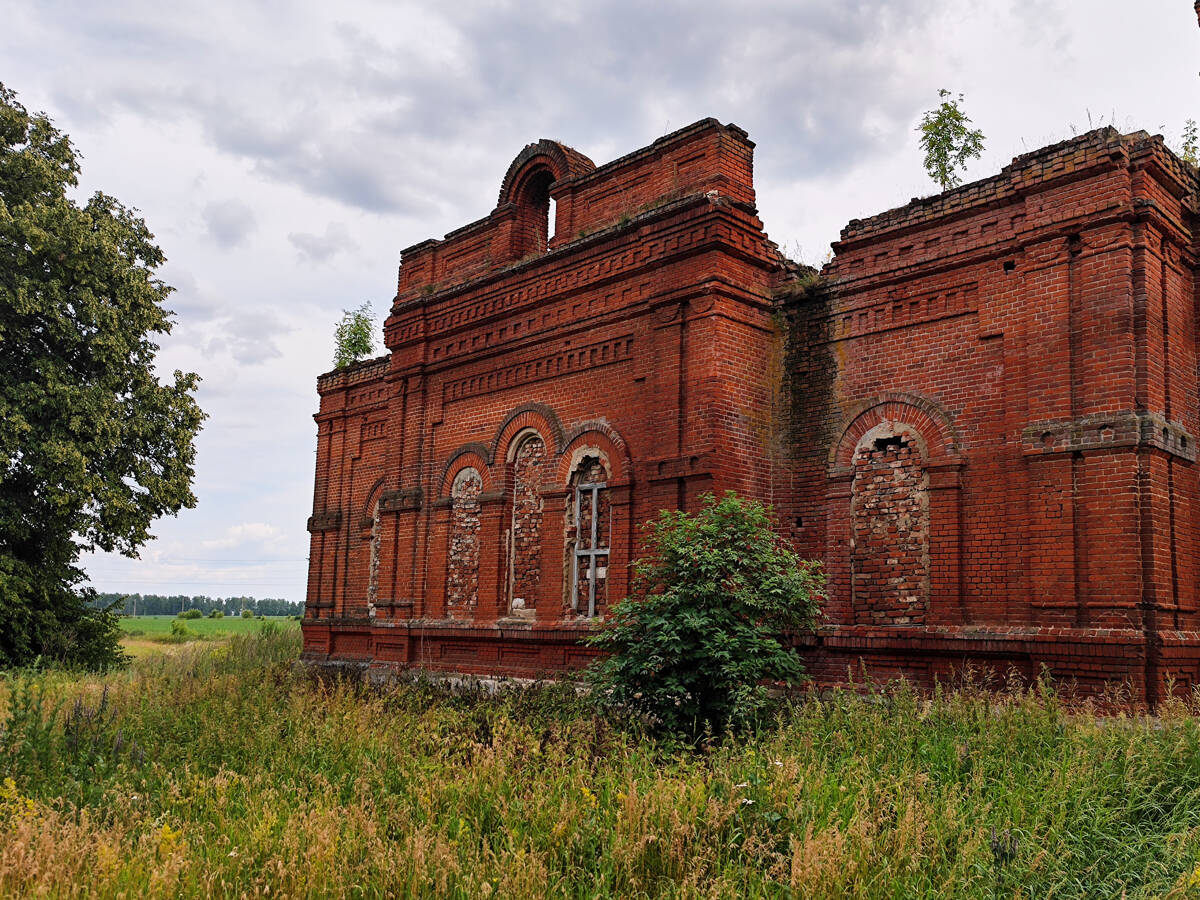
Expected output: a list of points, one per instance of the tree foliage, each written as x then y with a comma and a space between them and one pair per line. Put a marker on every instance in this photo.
947, 140
708, 619
164, 605
354, 337
93, 447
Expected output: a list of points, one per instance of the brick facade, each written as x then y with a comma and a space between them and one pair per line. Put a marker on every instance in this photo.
982, 416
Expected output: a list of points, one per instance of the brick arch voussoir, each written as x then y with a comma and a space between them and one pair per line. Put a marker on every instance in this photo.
935, 428
474, 455
562, 161
603, 437
368, 510
537, 416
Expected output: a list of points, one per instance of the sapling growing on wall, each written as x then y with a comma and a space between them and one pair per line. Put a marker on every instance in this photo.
948, 140
1190, 143
354, 337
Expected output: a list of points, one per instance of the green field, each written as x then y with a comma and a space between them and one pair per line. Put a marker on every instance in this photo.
218, 770
149, 626
148, 635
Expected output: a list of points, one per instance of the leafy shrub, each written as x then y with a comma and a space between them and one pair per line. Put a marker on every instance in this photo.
216, 614
354, 336
180, 634
189, 614
708, 618
247, 614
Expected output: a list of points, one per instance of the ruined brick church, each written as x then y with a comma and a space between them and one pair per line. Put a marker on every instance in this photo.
981, 415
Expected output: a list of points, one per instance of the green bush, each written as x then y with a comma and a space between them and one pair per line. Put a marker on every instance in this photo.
180, 634
216, 614
247, 614
189, 614
708, 619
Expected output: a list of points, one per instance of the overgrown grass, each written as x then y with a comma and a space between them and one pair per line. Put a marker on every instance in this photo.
219, 771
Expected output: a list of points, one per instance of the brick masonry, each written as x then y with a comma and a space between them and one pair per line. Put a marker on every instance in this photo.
889, 508
981, 416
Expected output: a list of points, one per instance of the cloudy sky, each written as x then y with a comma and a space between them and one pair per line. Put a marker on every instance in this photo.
284, 153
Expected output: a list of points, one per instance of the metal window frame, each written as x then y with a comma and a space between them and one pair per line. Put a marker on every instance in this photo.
593, 552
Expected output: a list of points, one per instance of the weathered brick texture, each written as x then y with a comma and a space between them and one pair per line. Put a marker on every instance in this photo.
982, 416
462, 566
890, 541
526, 532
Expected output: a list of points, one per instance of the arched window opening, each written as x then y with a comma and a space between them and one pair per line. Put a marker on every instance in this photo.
462, 564
589, 537
535, 223
889, 539
525, 551
373, 567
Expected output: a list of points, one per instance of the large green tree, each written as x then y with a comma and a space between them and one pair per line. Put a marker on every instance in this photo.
92, 446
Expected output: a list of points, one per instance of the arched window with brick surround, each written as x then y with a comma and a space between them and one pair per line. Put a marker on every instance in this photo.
525, 195
589, 537
462, 559
525, 534
889, 528
893, 516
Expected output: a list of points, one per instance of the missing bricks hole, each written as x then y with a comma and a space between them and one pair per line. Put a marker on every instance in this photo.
1009, 266
799, 521
884, 443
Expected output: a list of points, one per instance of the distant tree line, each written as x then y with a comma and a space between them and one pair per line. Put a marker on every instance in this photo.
158, 605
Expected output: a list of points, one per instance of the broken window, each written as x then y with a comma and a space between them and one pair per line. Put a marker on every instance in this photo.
373, 567
589, 537
889, 546
525, 555
462, 566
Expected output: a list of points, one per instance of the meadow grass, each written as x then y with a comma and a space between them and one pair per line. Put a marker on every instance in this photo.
219, 770
146, 635
151, 626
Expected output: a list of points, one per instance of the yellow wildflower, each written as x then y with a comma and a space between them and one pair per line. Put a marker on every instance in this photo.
169, 840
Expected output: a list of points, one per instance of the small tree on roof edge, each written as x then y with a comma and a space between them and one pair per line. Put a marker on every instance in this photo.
948, 142
354, 336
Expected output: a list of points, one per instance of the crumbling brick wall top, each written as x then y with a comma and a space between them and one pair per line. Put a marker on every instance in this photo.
1068, 159
353, 374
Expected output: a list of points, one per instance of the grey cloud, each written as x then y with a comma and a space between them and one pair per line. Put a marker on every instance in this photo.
229, 222
317, 248
387, 120
250, 338
188, 301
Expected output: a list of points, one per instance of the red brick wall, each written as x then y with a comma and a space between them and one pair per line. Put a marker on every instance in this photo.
1037, 330
1029, 341
889, 510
